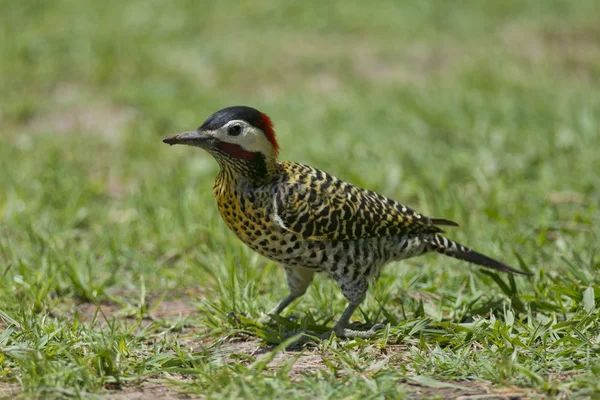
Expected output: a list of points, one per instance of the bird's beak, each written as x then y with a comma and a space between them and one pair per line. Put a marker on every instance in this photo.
191, 138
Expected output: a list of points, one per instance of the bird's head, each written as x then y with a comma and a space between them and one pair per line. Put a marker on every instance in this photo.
240, 138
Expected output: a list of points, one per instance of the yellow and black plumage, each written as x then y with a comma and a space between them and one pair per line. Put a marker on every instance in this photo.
308, 220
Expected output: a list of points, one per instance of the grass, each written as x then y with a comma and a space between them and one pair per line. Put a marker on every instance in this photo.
118, 275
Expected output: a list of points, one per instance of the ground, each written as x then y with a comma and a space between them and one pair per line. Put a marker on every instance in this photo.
306, 358
119, 280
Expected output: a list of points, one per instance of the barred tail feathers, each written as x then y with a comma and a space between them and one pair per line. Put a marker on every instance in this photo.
450, 248
443, 221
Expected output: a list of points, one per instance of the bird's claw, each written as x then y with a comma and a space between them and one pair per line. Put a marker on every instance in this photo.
269, 320
355, 333
377, 327
265, 320
234, 316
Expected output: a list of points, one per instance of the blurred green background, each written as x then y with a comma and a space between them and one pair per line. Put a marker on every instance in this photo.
483, 112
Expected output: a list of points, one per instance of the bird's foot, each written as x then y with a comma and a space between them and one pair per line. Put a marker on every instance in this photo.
344, 332
305, 338
268, 320
234, 317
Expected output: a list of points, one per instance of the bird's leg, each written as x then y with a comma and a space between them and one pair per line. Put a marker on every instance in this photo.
355, 291
298, 278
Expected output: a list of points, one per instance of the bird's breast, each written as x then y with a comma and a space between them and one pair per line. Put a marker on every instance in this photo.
246, 211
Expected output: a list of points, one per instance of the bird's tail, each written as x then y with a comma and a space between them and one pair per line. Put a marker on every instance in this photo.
450, 248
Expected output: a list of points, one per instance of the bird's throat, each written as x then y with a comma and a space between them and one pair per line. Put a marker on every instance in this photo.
237, 151
253, 165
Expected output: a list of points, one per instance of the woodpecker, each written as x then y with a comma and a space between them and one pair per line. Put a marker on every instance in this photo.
310, 221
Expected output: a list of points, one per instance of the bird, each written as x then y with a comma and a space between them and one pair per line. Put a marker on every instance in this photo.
310, 221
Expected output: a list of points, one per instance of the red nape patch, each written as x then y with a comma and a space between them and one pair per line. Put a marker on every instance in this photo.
267, 127
236, 151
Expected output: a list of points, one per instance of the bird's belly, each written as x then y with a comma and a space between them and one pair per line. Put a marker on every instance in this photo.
278, 245
364, 256
261, 233
257, 230
270, 240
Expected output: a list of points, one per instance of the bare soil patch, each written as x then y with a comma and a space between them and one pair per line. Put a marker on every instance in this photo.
104, 119
246, 349
75, 111
9, 390
243, 349
176, 304
572, 51
149, 390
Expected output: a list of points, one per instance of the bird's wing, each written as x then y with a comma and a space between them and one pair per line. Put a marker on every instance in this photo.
319, 206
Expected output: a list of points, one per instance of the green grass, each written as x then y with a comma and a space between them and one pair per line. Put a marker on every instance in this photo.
484, 113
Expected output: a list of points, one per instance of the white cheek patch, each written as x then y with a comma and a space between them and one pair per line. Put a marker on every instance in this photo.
252, 139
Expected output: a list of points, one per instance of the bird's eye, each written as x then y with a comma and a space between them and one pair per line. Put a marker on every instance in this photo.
234, 130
